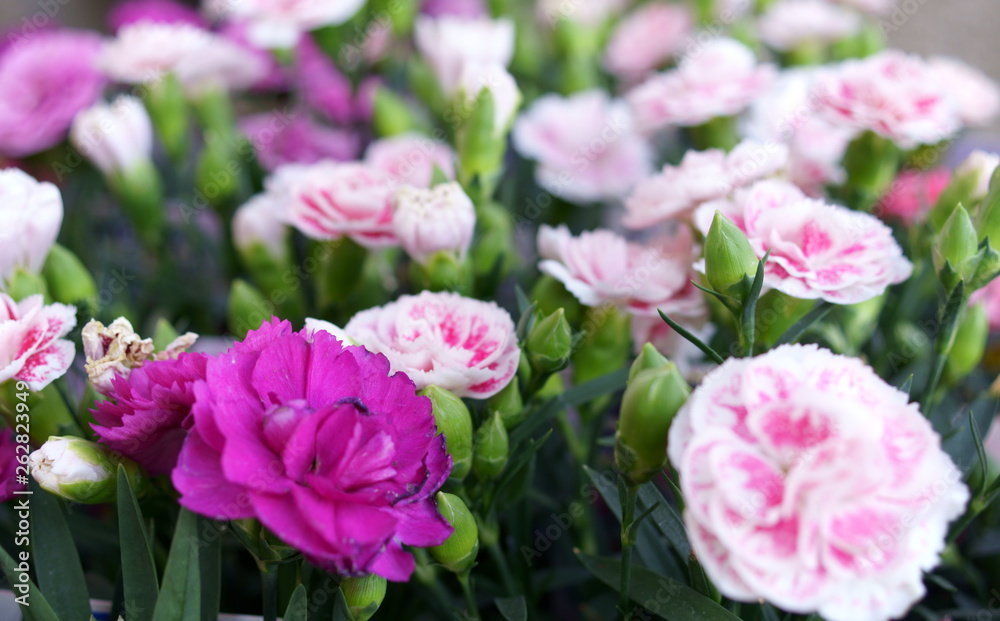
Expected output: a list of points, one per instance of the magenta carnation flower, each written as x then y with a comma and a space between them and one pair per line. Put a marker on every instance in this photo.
46, 79
148, 413
160, 11
321, 444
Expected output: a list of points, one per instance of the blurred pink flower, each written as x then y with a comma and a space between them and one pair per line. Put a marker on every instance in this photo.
322, 86
585, 12
455, 8
280, 140
913, 194
892, 94
332, 452
443, 339
585, 145
674, 192
32, 349
818, 250
601, 267
45, 80
115, 137
719, 78
448, 43
789, 23
162, 11
279, 24
259, 221
813, 484
646, 38
274, 76
31, 213
409, 159
975, 94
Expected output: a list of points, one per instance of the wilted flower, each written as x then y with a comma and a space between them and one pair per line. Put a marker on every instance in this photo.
33, 350
443, 339
46, 79
646, 38
280, 23
789, 23
442, 218
817, 250
409, 159
115, 137
30, 215
113, 350
449, 43
811, 483
586, 146
290, 428
721, 78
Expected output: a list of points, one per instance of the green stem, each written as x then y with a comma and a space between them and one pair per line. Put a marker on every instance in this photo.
573, 441
269, 588
628, 516
951, 315
470, 595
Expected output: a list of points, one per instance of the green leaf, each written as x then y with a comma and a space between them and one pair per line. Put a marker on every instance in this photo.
984, 464
667, 598
816, 314
38, 608
298, 605
665, 518
180, 596
341, 612
210, 568
57, 563
749, 313
694, 340
138, 568
512, 608
522, 459
582, 393
438, 177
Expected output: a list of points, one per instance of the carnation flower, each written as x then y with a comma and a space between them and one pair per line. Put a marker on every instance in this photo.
279, 24
600, 267
201, 60
442, 339
790, 23
116, 137
32, 349
9, 463
586, 12
721, 78
148, 413
811, 483
31, 213
586, 146
913, 194
476, 77
974, 94
409, 159
112, 351
981, 165
439, 219
46, 79
259, 221
817, 250
318, 441
701, 176
448, 43
454, 8
329, 200
280, 140
160, 11
892, 94
646, 38
322, 86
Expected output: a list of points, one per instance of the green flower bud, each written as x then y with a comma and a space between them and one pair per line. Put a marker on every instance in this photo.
957, 246
455, 422
871, 162
605, 345
391, 115
959, 191
82, 471
508, 404
648, 358
458, 552
730, 261
988, 219
443, 272
247, 308
68, 280
23, 283
163, 334
492, 449
970, 343
170, 114
551, 295
364, 594
652, 398
337, 276
550, 343
140, 191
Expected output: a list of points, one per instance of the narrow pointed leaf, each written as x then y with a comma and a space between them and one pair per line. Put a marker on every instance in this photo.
816, 314
138, 568
984, 464
582, 393
38, 608
512, 608
341, 612
665, 518
694, 340
180, 596
56, 562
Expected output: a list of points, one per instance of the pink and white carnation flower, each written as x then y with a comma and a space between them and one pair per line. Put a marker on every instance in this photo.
818, 251
448, 43
278, 24
410, 158
443, 339
674, 192
789, 23
975, 95
32, 347
646, 38
601, 267
893, 94
321, 442
913, 194
719, 78
586, 146
811, 483
330, 200
31, 213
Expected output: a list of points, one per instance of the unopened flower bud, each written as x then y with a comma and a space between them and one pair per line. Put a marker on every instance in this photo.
364, 594
508, 404
113, 350
490, 95
141, 193
956, 246
115, 137
22, 283
605, 345
247, 308
81, 471
453, 420
443, 271
730, 261
652, 398
550, 294
67, 279
648, 358
970, 343
458, 552
492, 449
168, 109
391, 114
427, 221
979, 167
550, 343
988, 219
